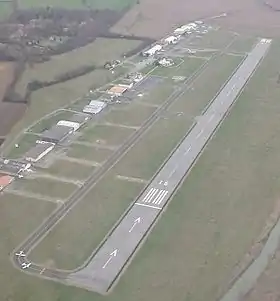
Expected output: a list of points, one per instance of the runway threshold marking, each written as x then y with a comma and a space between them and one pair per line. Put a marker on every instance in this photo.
145, 205
155, 196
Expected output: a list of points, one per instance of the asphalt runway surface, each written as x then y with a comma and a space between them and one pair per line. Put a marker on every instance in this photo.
109, 261
106, 265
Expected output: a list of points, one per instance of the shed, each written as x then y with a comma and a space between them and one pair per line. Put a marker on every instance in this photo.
56, 133
117, 90
39, 151
70, 124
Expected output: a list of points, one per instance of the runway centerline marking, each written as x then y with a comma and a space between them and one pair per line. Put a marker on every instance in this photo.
187, 150
211, 117
149, 206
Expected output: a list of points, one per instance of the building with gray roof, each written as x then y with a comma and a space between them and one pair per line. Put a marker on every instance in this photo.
56, 133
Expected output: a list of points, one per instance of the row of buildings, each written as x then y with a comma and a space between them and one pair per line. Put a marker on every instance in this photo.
172, 39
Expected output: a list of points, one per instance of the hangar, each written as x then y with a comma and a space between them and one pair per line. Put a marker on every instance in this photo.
39, 151
56, 133
94, 107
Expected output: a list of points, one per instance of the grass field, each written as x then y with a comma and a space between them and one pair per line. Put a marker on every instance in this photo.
185, 67
5, 10
47, 187
52, 98
92, 217
207, 85
243, 44
25, 142
88, 153
96, 53
132, 115
106, 135
68, 169
74, 4
216, 39
48, 122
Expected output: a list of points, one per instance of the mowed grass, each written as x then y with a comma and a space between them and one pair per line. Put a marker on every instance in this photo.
66, 169
89, 153
185, 67
49, 121
106, 134
243, 44
18, 218
95, 53
216, 39
45, 187
5, 10
79, 233
207, 84
77, 4
131, 115
221, 207
147, 155
25, 143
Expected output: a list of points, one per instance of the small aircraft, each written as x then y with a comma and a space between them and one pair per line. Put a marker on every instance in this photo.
20, 254
25, 265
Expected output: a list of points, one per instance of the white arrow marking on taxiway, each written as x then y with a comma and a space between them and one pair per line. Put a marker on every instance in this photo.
113, 254
137, 221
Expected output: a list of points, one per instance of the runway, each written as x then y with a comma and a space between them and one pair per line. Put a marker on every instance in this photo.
106, 265
111, 258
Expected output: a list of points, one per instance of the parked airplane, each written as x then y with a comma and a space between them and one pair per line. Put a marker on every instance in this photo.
20, 254
25, 265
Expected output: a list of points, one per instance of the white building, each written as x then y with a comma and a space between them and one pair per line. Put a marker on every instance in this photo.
185, 28
94, 107
153, 50
171, 40
70, 124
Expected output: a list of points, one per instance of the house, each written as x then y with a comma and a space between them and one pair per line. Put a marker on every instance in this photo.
57, 133
118, 90
39, 151
135, 77
152, 51
94, 107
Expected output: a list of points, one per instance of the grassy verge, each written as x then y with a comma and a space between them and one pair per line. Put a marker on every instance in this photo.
91, 218
243, 43
25, 143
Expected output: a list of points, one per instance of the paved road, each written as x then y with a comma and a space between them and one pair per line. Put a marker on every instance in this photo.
106, 265
109, 261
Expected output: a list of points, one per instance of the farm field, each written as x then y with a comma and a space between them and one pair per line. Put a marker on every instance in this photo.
106, 134
91, 218
90, 153
45, 187
66, 169
75, 4
96, 53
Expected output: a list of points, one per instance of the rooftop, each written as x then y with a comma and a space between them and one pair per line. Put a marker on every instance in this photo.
57, 132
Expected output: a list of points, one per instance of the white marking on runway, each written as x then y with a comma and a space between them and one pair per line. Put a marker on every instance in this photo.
199, 134
137, 221
187, 150
160, 197
144, 205
113, 254
150, 195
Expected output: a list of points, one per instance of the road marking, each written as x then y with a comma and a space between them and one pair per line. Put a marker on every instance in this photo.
137, 221
144, 205
113, 254
211, 117
187, 150
160, 197
150, 195
199, 134
43, 270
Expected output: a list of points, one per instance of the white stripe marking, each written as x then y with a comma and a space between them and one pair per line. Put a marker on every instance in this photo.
144, 205
159, 195
187, 150
199, 134
162, 198
148, 194
148, 200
